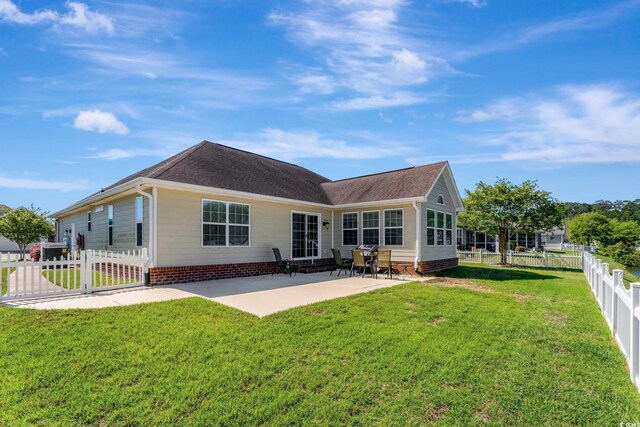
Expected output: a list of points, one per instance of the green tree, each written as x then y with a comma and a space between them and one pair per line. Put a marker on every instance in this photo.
25, 226
627, 232
590, 229
504, 207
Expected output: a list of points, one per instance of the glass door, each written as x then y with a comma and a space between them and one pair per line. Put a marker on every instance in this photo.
305, 235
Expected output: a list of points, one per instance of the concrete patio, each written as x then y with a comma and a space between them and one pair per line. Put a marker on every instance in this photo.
258, 295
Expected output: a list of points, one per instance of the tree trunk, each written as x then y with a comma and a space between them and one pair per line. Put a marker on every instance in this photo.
23, 249
503, 238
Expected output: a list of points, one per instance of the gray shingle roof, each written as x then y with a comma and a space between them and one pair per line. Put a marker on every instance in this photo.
215, 165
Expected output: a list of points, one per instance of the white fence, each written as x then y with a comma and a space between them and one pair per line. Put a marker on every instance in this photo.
620, 308
91, 271
525, 259
577, 248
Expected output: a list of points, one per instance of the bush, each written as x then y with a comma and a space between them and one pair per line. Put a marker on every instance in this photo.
34, 252
623, 253
520, 249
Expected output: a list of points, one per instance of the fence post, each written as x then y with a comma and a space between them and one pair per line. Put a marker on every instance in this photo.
634, 351
510, 257
480, 257
88, 262
617, 282
83, 272
604, 271
544, 256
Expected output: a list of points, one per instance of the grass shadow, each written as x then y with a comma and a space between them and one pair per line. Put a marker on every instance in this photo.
499, 274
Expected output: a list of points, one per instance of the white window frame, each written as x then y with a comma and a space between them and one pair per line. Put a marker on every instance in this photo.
89, 222
135, 220
447, 214
440, 197
444, 228
379, 227
319, 215
434, 227
384, 227
110, 223
357, 227
226, 224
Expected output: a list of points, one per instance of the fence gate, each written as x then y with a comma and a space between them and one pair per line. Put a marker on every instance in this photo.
88, 272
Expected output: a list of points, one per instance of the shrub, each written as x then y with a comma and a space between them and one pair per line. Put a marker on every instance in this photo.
34, 252
623, 253
520, 248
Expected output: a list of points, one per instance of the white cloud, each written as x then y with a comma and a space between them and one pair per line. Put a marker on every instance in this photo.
34, 184
100, 121
364, 50
397, 99
293, 145
570, 124
119, 153
78, 16
472, 3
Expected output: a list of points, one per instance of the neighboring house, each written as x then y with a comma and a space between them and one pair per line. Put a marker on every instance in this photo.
214, 211
472, 240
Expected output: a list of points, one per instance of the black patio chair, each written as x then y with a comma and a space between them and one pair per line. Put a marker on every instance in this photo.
340, 263
283, 266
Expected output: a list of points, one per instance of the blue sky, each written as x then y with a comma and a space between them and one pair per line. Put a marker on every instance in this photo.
548, 90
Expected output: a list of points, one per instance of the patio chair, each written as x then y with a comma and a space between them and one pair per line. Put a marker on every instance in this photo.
384, 263
283, 266
340, 263
359, 262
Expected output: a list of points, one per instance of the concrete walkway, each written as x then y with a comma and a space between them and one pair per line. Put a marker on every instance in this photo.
259, 295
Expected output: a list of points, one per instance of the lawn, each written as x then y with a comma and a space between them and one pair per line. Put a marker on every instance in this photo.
482, 345
72, 280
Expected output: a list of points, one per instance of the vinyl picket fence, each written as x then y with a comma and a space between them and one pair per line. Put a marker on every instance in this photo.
88, 272
620, 308
525, 259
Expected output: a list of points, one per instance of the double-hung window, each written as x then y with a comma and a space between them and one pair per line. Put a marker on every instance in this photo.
139, 217
393, 227
110, 223
449, 229
431, 227
225, 223
440, 230
350, 229
371, 228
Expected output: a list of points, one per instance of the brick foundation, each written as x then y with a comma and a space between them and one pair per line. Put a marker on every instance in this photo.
198, 273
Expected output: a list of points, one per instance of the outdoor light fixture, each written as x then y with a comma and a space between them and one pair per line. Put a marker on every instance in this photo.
325, 223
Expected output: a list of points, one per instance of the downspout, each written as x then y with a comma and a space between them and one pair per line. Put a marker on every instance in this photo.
154, 193
152, 239
332, 231
418, 245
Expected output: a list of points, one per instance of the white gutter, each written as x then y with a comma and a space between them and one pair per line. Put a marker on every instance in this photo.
152, 239
98, 196
418, 235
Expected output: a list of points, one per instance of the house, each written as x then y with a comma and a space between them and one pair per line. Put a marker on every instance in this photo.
214, 211
475, 240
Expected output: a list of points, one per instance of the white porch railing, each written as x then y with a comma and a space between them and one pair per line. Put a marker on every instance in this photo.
620, 308
90, 271
525, 259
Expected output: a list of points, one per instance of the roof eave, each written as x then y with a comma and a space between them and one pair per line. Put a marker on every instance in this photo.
98, 196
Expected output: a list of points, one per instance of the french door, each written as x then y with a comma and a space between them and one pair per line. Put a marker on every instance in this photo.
305, 235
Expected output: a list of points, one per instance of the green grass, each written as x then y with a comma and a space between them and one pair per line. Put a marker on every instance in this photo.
628, 276
4, 276
71, 281
510, 347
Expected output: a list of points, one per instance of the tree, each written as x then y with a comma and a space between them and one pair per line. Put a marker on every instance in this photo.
504, 207
627, 232
25, 226
590, 229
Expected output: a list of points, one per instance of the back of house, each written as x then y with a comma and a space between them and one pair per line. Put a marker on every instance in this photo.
214, 211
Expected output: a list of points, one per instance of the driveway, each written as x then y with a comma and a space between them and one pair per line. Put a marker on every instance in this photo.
259, 295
